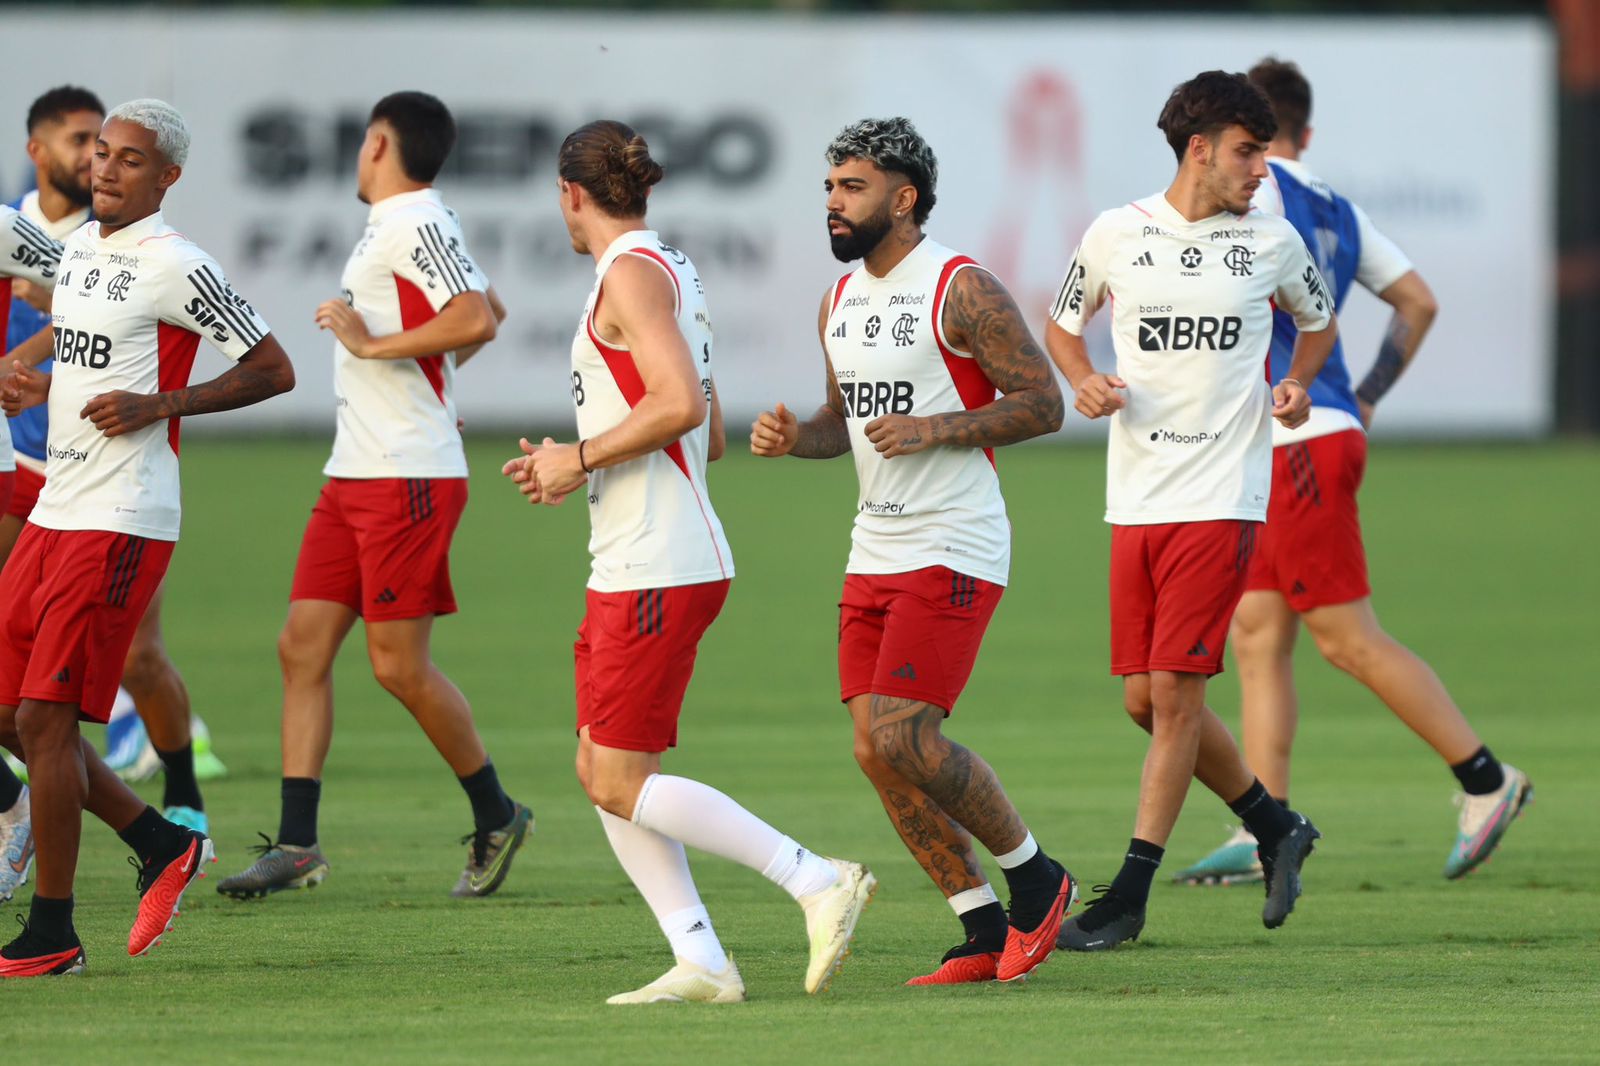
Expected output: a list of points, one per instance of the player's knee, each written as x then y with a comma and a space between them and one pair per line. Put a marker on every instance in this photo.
894, 746
40, 728
1139, 709
1350, 652
298, 656
145, 666
866, 752
401, 677
1169, 697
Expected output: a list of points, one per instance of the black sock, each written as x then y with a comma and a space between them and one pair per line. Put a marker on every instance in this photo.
297, 823
1138, 870
10, 787
153, 837
1479, 774
491, 807
986, 930
51, 919
180, 788
1033, 886
1283, 801
1261, 814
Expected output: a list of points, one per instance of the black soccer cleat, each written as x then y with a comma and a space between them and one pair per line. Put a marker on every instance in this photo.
1282, 869
1109, 919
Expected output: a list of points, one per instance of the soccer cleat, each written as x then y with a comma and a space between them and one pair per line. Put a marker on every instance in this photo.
16, 845
279, 866
30, 956
688, 983
1485, 819
1234, 862
831, 917
1109, 919
490, 858
17, 766
189, 818
207, 767
956, 969
1026, 951
1281, 867
161, 889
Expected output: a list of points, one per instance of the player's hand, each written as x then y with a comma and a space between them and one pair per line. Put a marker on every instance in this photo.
1291, 405
23, 388
342, 321
520, 471
1366, 410
774, 433
116, 413
894, 435
1100, 395
558, 470
35, 296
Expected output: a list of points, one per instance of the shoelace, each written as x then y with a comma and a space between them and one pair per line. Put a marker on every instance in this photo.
267, 844
479, 839
146, 872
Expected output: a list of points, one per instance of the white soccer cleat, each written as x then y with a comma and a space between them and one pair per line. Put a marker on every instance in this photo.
831, 917
16, 845
688, 983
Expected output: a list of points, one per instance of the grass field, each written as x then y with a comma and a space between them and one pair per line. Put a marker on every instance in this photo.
1484, 558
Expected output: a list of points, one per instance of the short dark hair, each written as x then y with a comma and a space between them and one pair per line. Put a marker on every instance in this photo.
894, 146
1289, 93
424, 128
60, 102
1209, 103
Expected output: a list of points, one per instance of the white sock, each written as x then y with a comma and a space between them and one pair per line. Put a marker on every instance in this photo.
972, 899
1018, 855
693, 940
702, 817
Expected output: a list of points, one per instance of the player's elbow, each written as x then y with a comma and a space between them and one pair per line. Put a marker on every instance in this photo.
684, 410
487, 324
1055, 408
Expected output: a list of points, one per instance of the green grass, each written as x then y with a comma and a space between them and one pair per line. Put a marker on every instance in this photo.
1484, 558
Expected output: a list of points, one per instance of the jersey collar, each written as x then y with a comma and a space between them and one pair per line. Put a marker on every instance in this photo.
390, 204
623, 242
1160, 208
134, 233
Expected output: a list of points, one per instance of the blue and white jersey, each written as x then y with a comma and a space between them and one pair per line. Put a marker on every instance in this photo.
1349, 250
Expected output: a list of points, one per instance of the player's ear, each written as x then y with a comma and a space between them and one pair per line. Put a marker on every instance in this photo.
169, 176
36, 152
905, 201
1305, 138
1200, 147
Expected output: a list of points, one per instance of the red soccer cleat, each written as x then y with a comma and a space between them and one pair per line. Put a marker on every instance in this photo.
1025, 951
161, 890
30, 956
963, 970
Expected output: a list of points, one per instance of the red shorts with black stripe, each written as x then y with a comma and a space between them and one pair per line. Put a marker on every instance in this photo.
1311, 550
1174, 588
381, 546
70, 601
634, 657
24, 492
914, 635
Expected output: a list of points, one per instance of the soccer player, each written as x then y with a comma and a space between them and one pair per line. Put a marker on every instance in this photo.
132, 303
1310, 564
62, 126
377, 547
916, 342
1192, 274
648, 422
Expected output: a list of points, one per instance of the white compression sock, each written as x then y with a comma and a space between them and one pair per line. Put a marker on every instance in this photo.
693, 940
972, 899
702, 817
659, 869
1018, 855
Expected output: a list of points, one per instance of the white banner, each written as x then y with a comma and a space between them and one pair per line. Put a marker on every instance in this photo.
1442, 130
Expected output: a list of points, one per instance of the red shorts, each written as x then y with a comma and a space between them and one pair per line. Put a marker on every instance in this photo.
70, 601
381, 546
8, 484
634, 657
913, 635
24, 492
1311, 550
1174, 588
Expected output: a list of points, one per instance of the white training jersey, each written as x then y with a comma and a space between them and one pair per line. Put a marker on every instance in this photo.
26, 252
130, 309
1191, 326
940, 506
652, 525
397, 417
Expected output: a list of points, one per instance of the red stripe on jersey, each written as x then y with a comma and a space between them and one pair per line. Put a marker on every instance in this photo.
677, 291
161, 237
972, 384
415, 310
1272, 309
5, 311
175, 348
1141, 210
838, 291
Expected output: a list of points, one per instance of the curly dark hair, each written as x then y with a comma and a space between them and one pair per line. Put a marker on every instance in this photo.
1289, 92
892, 145
1209, 103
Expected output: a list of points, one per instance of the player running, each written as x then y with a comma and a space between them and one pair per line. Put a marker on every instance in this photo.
1310, 563
133, 300
648, 422
377, 547
916, 342
1193, 274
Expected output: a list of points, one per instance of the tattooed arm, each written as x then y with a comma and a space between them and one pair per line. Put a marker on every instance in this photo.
1414, 312
981, 317
262, 372
825, 435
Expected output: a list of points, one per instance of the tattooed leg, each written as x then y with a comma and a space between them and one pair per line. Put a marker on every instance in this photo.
941, 847
905, 734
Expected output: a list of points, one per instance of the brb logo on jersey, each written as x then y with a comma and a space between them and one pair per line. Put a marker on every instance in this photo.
82, 348
869, 399
1183, 333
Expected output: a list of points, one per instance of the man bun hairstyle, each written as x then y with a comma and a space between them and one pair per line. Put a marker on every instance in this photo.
161, 119
60, 102
892, 145
1209, 103
1289, 93
425, 129
613, 165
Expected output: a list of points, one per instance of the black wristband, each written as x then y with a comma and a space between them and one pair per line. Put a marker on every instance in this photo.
581, 463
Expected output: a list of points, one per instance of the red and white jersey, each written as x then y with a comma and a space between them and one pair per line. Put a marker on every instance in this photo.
27, 252
941, 506
397, 417
129, 311
1191, 306
652, 525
